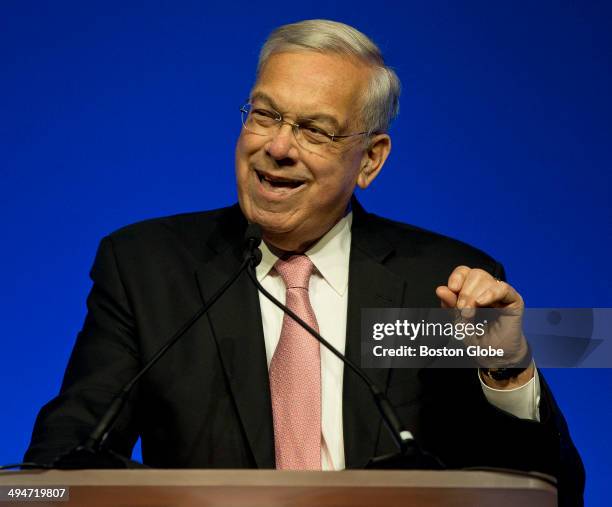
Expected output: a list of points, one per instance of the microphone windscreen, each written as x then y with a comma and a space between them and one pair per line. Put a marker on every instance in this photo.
252, 236
256, 257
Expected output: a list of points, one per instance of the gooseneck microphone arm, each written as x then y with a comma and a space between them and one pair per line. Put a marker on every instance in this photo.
90, 453
404, 440
402, 437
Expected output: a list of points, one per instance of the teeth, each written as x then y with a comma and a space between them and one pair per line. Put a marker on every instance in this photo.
282, 182
278, 180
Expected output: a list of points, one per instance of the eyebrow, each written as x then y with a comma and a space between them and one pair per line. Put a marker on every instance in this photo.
315, 116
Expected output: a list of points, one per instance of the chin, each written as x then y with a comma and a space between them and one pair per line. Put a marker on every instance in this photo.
277, 230
276, 222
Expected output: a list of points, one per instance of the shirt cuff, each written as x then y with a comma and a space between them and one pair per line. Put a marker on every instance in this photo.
522, 402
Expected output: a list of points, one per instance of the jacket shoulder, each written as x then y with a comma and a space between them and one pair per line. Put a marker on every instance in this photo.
196, 232
415, 244
182, 223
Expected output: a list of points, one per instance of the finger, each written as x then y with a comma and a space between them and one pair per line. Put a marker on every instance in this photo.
457, 278
499, 293
476, 282
447, 297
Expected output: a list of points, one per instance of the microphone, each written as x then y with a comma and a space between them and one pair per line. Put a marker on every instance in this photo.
252, 240
91, 453
410, 455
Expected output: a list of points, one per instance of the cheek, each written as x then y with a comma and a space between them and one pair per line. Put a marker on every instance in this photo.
352, 168
249, 142
240, 148
242, 156
332, 189
342, 178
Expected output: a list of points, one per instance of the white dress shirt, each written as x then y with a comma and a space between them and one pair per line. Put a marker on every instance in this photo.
328, 293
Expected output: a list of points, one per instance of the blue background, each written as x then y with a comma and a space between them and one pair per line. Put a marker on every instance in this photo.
112, 112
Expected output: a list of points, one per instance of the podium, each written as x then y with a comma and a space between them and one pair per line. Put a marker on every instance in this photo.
271, 488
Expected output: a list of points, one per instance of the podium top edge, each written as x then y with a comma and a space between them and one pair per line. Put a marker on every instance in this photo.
271, 478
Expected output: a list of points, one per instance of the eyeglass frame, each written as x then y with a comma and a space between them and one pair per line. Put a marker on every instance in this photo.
295, 127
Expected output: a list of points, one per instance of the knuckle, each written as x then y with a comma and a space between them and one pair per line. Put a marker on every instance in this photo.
481, 274
462, 269
459, 274
503, 286
500, 290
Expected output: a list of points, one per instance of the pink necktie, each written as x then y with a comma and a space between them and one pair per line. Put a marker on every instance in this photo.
295, 375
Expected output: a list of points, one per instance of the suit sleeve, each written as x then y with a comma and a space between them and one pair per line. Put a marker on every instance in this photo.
465, 430
105, 356
565, 462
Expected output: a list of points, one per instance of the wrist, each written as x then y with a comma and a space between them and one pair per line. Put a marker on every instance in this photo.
512, 381
522, 358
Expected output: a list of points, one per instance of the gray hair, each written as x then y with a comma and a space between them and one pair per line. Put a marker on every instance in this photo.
381, 100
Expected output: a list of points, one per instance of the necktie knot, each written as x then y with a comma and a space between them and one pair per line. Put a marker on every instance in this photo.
295, 271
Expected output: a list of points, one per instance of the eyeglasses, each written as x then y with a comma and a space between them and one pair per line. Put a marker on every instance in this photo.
308, 134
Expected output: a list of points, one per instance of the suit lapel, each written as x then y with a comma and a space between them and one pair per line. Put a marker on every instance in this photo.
235, 323
371, 285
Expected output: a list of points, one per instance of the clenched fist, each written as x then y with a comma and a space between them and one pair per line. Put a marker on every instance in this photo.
468, 289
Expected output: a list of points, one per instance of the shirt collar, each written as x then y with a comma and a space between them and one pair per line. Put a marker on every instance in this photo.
330, 255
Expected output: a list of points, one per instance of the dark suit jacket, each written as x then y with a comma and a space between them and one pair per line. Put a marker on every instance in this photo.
206, 404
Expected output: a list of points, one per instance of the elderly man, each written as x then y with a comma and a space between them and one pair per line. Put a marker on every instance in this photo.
246, 387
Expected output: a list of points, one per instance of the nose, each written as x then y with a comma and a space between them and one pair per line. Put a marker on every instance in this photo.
282, 144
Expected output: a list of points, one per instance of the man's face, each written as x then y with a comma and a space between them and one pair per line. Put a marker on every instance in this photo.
297, 194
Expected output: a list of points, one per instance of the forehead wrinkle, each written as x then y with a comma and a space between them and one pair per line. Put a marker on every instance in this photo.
260, 95
311, 82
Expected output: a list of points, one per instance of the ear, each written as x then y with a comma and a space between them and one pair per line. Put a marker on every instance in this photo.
374, 158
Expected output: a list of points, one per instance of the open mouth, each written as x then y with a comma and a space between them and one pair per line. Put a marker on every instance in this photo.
276, 182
